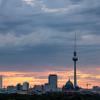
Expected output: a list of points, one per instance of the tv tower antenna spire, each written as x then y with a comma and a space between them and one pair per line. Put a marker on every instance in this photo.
75, 43
75, 59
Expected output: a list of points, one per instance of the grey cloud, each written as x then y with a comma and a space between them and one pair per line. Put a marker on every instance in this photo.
42, 33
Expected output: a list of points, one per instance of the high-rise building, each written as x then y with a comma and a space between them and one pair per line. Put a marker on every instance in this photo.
0, 82
53, 82
25, 86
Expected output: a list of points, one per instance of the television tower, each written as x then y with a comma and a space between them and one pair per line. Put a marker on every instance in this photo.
75, 59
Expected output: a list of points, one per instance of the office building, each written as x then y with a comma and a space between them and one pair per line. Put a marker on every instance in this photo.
53, 82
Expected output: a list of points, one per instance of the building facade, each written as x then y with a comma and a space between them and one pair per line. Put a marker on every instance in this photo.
52, 82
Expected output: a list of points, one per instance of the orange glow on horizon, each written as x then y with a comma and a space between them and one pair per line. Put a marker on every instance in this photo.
38, 78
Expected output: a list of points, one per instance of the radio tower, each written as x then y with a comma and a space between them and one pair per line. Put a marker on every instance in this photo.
75, 59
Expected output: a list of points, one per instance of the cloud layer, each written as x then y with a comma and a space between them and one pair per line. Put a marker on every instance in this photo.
41, 33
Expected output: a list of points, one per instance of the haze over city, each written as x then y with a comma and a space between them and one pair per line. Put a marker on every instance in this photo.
37, 39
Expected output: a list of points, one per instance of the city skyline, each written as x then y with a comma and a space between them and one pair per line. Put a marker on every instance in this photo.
39, 78
37, 36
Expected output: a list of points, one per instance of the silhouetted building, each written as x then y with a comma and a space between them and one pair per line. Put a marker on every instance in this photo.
38, 89
25, 86
0, 82
19, 87
53, 82
10, 88
46, 87
68, 86
96, 88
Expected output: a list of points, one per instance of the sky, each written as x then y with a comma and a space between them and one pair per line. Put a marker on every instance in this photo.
37, 38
